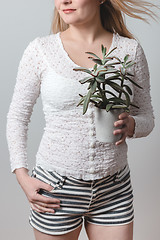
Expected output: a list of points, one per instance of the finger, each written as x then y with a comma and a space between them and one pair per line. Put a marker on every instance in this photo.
121, 131
41, 198
44, 186
121, 122
121, 140
43, 209
35, 208
123, 115
47, 205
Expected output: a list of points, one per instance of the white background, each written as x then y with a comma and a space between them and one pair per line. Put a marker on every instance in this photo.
22, 21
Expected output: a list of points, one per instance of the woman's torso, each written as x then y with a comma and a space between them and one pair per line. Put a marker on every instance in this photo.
69, 143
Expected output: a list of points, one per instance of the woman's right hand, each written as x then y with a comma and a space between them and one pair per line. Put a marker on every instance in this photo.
31, 187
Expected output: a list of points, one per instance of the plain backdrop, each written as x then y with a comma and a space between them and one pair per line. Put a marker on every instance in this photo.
21, 22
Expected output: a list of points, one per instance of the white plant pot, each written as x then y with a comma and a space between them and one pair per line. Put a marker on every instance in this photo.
104, 125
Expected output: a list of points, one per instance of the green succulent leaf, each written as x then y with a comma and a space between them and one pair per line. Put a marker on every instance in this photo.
86, 101
119, 106
95, 67
127, 99
115, 86
112, 71
93, 87
89, 86
100, 79
86, 79
96, 96
97, 61
102, 48
109, 106
100, 72
118, 59
93, 54
111, 64
130, 64
134, 105
126, 58
106, 60
123, 70
119, 89
127, 110
117, 100
114, 77
133, 82
83, 70
81, 101
128, 89
101, 68
130, 74
109, 92
111, 51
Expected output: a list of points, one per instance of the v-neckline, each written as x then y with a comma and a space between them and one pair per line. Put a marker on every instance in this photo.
68, 57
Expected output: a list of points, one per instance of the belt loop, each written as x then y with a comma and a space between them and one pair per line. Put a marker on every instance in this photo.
33, 172
61, 181
115, 177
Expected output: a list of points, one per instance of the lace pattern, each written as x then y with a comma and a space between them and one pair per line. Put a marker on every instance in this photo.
69, 144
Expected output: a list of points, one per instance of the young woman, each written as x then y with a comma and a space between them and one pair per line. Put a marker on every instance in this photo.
77, 177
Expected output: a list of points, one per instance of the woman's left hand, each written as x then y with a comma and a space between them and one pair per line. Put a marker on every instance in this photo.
127, 127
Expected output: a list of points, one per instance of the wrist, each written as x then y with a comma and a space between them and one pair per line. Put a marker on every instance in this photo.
21, 173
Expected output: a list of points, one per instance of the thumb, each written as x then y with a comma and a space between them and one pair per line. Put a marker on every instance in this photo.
45, 186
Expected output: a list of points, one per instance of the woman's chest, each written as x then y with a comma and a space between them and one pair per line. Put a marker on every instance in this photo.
59, 91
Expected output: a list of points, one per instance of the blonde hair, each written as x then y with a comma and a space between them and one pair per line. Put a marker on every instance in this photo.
112, 13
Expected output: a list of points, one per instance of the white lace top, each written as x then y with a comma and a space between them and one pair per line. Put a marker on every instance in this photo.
69, 144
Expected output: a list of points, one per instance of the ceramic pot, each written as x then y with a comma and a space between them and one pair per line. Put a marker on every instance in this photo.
104, 125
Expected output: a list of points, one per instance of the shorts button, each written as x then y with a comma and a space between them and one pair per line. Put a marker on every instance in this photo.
92, 154
92, 144
91, 158
92, 129
92, 170
91, 121
91, 133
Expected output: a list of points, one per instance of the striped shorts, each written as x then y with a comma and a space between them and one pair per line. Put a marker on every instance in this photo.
107, 201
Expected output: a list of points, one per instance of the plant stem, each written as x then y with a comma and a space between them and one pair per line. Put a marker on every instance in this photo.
104, 99
103, 86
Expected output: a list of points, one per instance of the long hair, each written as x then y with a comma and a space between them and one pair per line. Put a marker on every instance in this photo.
112, 13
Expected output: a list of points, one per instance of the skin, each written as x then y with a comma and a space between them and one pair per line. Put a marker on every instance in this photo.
128, 124
31, 186
85, 32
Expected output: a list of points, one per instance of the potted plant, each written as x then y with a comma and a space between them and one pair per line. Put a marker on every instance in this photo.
108, 91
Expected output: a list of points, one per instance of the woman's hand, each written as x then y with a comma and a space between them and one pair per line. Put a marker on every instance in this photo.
127, 127
31, 187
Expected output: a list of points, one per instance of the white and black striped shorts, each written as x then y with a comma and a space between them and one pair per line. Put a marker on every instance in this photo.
106, 201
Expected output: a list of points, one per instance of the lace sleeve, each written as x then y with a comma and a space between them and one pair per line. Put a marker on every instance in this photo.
26, 92
144, 117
